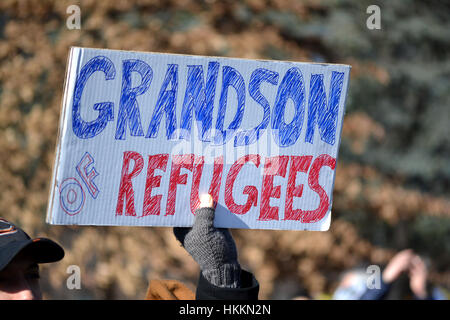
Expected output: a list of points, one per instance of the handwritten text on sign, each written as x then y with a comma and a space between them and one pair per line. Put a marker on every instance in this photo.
143, 134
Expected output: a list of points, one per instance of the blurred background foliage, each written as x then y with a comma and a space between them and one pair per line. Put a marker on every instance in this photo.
392, 184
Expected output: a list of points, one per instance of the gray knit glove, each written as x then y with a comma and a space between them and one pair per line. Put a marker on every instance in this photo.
212, 248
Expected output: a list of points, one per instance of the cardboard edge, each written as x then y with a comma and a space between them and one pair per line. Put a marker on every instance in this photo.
67, 79
217, 57
327, 227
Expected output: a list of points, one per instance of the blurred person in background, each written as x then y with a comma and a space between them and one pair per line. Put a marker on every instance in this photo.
353, 285
20, 257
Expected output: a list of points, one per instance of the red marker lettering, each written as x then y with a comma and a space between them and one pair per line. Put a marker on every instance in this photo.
251, 191
275, 166
152, 204
178, 162
126, 187
313, 182
216, 180
298, 164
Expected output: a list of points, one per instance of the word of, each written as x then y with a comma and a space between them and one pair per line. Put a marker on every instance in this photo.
71, 192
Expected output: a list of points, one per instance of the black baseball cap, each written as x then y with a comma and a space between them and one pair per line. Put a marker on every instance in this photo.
13, 240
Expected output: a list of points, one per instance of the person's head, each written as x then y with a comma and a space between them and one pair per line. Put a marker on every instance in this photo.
19, 259
352, 285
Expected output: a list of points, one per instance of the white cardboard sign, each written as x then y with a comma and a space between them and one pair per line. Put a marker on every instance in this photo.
143, 134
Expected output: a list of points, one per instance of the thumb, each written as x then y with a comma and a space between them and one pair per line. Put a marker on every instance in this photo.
206, 201
204, 215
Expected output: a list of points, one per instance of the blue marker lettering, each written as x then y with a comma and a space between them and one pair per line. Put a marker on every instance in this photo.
292, 87
326, 118
200, 98
89, 129
129, 108
166, 103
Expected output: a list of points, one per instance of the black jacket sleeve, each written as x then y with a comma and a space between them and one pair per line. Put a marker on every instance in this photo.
377, 294
248, 291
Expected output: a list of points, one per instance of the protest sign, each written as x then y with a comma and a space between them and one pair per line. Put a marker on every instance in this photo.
143, 134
